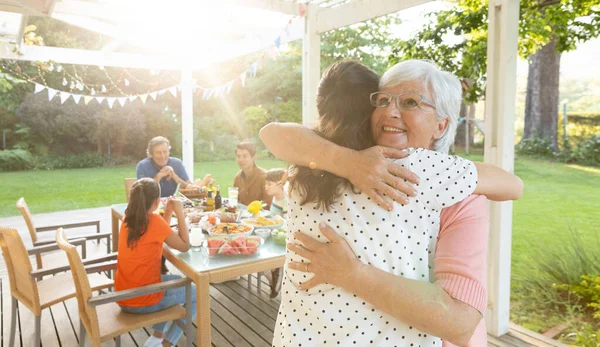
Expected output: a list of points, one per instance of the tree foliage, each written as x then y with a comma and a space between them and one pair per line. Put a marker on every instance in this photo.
570, 21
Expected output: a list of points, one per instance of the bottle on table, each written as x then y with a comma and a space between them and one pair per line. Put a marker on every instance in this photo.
210, 201
218, 199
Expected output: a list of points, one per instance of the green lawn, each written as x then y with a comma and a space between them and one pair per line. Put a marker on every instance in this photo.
558, 198
59, 190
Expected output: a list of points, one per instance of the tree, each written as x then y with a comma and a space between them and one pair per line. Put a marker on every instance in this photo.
546, 29
367, 42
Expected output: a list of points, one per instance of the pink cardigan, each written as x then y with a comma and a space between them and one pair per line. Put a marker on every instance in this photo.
460, 264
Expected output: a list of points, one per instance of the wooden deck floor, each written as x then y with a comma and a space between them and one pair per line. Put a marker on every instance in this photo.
240, 316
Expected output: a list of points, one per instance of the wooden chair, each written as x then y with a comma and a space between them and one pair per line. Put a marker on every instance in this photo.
34, 231
41, 294
103, 319
128, 184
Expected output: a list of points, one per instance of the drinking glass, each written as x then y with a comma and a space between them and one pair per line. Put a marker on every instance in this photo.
232, 194
196, 239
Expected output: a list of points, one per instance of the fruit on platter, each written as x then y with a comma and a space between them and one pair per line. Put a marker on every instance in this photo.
279, 236
233, 246
214, 244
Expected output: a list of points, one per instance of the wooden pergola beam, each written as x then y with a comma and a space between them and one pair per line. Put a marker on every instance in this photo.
359, 11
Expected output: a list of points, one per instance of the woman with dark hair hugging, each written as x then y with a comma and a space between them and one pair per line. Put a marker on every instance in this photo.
357, 274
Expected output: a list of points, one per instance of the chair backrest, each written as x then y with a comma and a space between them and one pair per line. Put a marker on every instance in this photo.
87, 313
128, 184
24, 209
22, 286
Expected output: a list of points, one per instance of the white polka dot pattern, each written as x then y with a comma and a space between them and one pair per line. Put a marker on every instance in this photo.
401, 241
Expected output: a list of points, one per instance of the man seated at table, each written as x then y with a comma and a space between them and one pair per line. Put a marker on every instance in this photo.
250, 180
166, 170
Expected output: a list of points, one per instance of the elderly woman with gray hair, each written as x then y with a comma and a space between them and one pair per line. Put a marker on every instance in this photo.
403, 275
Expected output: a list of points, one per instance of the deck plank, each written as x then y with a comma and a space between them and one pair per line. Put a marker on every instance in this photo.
241, 327
240, 311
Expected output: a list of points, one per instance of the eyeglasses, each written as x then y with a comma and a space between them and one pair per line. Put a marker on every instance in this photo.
407, 101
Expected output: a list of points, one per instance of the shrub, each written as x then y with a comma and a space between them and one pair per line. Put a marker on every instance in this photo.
535, 146
563, 264
586, 337
16, 159
588, 291
74, 161
588, 151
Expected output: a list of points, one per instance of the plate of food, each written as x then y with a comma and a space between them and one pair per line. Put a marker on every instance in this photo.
265, 222
223, 229
233, 245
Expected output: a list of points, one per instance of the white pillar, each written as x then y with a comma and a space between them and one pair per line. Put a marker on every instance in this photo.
187, 122
499, 150
311, 70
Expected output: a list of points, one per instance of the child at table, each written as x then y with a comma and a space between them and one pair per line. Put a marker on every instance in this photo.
274, 186
139, 259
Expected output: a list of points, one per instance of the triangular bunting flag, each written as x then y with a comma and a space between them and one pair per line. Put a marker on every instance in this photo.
301, 10
205, 94
38, 88
229, 86
122, 101
111, 101
99, 99
173, 90
243, 78
76, 98
87, 99
132, 98
153, 95
278, 42
162, 91
64, 97
144, 97
51, 93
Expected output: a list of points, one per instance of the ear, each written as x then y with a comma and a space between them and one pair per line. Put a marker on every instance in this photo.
441, 127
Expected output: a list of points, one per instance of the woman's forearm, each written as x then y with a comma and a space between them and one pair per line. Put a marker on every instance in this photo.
497, 184
299, 145
420, 304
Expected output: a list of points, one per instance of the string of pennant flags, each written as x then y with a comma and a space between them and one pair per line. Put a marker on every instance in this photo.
207, 93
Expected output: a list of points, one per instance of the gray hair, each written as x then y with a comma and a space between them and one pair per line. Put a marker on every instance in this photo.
158, 140
444, 87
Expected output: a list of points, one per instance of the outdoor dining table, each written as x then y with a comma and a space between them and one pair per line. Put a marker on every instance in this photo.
204, 269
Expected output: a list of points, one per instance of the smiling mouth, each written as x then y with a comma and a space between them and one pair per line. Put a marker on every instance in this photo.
392, 129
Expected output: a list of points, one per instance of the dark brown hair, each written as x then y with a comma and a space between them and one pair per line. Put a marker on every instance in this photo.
275, 175
344, 119
144, 193
249, 146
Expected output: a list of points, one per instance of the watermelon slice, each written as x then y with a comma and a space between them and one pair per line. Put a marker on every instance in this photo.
214, 245
239, 243
252, 246
227, 249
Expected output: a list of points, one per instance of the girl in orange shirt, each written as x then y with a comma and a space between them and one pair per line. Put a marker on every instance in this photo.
139, 259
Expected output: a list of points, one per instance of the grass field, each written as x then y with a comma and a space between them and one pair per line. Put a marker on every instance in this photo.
59, 190
558, 199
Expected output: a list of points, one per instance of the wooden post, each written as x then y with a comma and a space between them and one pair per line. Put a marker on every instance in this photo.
187, 122
499, 150
311, 70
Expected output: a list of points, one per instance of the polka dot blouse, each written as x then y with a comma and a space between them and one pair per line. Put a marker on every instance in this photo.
401, 241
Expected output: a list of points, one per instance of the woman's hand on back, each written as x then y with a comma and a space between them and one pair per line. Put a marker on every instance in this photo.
332, 262
372, 172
